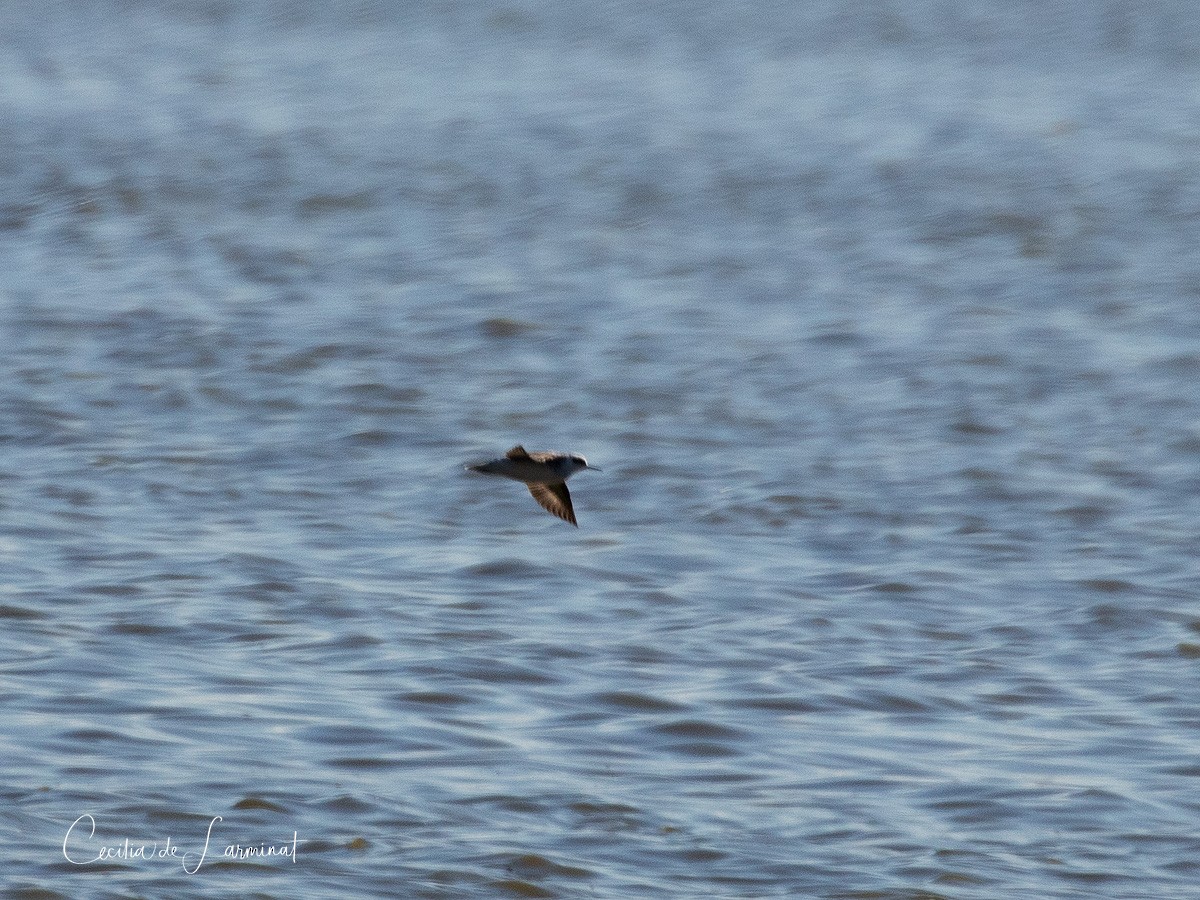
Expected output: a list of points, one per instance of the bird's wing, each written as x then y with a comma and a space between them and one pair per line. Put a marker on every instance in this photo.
517, 452
555, 498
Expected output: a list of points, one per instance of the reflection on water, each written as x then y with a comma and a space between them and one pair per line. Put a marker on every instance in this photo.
882, 331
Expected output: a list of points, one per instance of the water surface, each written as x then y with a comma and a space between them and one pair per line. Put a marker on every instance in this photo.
882, 324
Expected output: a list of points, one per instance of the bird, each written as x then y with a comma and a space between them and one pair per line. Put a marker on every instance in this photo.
545, 473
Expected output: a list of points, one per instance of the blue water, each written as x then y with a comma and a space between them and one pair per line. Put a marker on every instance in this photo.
881, 320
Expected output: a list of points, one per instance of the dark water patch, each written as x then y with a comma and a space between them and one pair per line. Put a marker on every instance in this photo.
242, 866
894, 587
320, 845
838, 335
319, 205
182, 458
266, 588
534, 867
702, 855
635, 702
94, 735
144, 629
102, 866
1188, 867
380, 399
953, 637
259, 803
32, 892
20, 612
1029, 695
786, 705
508, 803
112, 590
953, 878
366, 762
505, 568
1083, 515
699, 729
505, 328
254, 637
882, 701
1188, 445
639, 654
1181, 365
1014, 635
971, 426
1118, 617
1107, 586
1093, 876
73, 496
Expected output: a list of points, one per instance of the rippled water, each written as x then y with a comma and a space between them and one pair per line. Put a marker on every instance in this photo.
882, 323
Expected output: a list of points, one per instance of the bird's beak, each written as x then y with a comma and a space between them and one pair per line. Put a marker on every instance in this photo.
595, 468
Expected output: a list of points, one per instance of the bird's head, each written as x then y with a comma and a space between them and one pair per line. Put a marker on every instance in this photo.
578, 462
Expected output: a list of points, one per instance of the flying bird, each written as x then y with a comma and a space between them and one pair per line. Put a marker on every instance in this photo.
545, 473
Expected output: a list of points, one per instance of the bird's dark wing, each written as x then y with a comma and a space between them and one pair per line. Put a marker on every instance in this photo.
517, 452
555, 498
